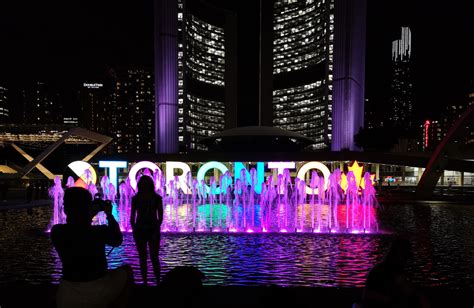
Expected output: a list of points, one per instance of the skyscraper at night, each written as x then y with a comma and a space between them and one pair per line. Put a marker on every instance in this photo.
41, 105
133, 116
96, 107
297, 65
401, 99
4, 109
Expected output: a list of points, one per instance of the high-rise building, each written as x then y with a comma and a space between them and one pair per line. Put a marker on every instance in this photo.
297, 65
132, 117
96, 107
401, 100
432, 134
41, 105
4, 110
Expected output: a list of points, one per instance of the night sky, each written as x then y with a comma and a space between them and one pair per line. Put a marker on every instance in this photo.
66, 43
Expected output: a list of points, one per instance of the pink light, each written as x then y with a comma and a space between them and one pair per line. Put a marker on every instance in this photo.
264, 230
216, 230
283, 230
232, 230
427, 127
249, 231
299, 230
317, 231
355, 231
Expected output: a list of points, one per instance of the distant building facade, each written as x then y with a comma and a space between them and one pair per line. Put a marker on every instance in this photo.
432, 134
4, 107
41, 105
205, 51
133, 113
401, 99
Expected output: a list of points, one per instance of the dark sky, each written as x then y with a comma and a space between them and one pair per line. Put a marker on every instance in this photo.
66, 43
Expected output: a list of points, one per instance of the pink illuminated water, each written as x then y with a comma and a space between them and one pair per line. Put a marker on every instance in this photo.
281, 205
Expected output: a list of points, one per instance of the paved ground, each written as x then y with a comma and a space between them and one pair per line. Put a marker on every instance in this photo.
25, 295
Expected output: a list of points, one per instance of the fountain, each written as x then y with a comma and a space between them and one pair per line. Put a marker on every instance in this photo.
279, 204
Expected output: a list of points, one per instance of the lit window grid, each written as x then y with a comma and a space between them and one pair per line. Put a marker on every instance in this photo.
205, 52
290, 41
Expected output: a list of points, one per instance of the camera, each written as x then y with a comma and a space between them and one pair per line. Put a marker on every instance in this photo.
98, 205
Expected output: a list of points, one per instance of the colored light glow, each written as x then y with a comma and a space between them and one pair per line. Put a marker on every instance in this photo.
281, 166
132, 175
427, 128
206, 167
358, 171
239, 166
170, 168
113, 166
318, 166
85, 172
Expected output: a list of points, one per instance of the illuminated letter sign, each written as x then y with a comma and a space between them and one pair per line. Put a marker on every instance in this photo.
281, 166
113, 166
138, 166
206, 167
170, 166
85, 172
238, 167
314, 165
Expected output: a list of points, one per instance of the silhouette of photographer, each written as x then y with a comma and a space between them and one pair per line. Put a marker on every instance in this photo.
86, 282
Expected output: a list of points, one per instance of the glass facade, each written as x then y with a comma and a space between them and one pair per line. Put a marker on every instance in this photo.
201, 62
303, 39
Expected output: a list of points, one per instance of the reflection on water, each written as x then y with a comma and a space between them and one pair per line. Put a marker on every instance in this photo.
441, 234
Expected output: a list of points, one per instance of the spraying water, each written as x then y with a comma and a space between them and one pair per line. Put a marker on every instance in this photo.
276, 205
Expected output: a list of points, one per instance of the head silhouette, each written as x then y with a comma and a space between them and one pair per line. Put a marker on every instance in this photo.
77, 204
399, 253
145, 185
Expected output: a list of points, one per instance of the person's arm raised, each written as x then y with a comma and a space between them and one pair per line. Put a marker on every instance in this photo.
113, 235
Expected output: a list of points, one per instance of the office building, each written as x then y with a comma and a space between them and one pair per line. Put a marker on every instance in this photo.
401, 87
297, 65
132, 117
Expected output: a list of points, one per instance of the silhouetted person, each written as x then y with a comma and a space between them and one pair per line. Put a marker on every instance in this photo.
185, 283
146, 218
387, 284
86, 282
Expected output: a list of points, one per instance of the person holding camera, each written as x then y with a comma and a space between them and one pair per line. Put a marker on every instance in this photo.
146, 218
86, 282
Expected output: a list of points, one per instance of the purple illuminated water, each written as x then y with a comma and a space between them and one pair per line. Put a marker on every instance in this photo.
282, 205
441, 236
